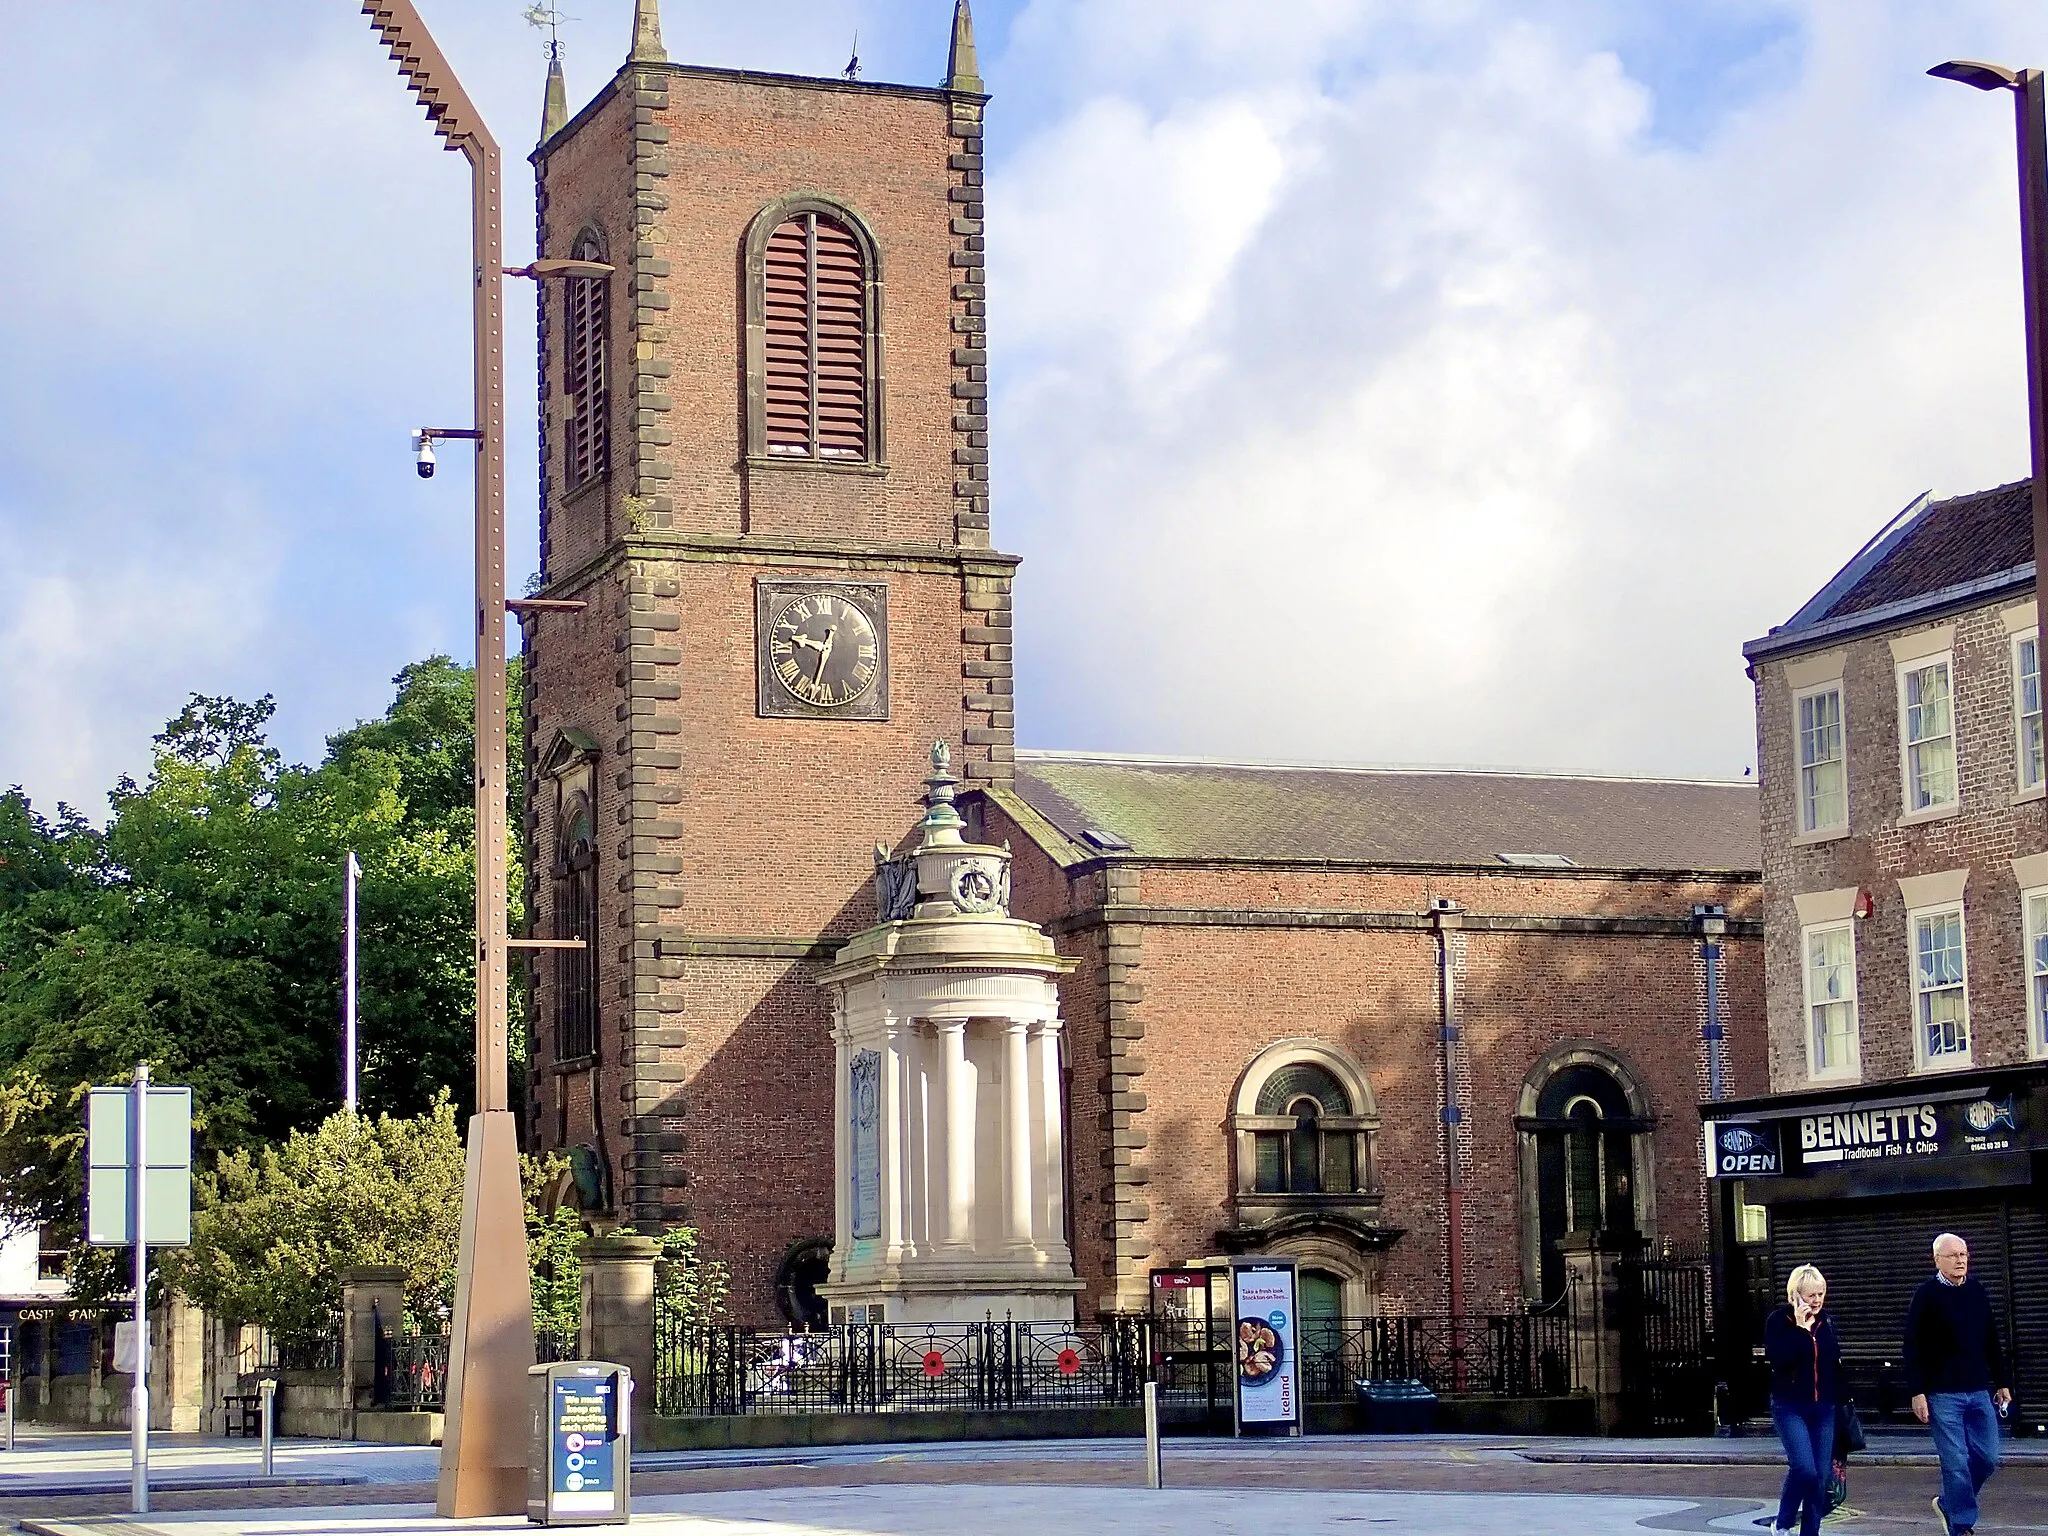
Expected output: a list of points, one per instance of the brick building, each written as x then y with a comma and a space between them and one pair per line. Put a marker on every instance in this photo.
764, 471
1906, 925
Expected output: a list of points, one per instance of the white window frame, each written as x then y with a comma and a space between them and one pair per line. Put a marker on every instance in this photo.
1948, 1061
1819, 830
1910, 812
2033, 974
1853, 1069
2025, 787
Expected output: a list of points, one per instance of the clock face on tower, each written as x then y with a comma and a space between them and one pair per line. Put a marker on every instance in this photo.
822, 649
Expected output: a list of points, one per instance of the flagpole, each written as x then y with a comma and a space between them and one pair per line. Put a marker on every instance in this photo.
352, 871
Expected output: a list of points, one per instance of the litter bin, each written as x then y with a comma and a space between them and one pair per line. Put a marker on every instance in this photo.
579, 1454
1404, 1407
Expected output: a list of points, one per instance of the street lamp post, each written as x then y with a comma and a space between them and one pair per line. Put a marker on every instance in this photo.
2028, 93
483, 1448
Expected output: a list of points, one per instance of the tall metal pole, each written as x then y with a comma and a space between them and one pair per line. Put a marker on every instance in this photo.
351, 872
483, 1452
2033, 165
138, 1392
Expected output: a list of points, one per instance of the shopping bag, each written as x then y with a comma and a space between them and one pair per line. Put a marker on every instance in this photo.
1838, 1486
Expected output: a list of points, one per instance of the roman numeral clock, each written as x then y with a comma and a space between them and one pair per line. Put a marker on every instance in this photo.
822, 649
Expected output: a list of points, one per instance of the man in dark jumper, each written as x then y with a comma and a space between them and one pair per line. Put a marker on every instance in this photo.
1956, 1371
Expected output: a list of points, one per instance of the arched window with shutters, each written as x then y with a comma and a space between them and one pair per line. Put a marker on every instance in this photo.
813, 336
586, 370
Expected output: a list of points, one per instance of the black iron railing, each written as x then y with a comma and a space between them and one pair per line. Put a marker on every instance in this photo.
552, 1344
305, 1349
1503, 1355
706, 1370
316, 1349
412, 1372
884, 1369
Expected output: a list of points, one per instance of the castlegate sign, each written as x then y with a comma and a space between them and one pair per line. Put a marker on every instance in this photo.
1855, 1136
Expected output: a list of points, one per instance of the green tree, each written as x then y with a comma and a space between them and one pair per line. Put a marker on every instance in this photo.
201, 930
274, 1226
689, 1285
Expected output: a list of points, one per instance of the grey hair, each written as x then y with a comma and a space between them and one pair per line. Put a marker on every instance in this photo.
1949, 1237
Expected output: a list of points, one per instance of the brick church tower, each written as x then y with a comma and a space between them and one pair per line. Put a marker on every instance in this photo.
764, 475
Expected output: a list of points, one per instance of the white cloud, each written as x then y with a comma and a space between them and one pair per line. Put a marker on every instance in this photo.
1440, 410
1375, 381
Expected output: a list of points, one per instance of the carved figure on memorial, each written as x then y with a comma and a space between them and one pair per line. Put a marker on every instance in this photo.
895, 887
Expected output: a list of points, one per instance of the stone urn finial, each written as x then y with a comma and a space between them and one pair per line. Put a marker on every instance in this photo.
942, 822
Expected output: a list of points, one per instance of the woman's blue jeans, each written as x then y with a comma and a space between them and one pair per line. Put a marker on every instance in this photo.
1807, 1431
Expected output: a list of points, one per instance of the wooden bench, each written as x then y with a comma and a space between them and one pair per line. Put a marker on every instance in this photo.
244, 1414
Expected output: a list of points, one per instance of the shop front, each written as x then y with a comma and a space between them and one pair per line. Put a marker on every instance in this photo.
1860, 1182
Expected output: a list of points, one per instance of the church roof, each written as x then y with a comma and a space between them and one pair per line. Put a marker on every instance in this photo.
1175, 808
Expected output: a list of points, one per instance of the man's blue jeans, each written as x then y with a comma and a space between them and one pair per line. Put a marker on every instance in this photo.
1808, 1433
1965, 1429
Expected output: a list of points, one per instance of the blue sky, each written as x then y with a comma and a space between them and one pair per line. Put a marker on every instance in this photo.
1374, 382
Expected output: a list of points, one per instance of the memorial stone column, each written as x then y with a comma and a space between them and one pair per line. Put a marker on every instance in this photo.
1050, 1207
1017, 1159
958, 1094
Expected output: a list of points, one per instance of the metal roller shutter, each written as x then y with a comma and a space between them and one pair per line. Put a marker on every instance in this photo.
1874, 1254
2030, 1317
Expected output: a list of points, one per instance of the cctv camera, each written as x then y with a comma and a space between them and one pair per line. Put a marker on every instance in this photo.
423, 454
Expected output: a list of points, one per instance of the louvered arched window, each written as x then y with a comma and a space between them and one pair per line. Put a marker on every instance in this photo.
815, 329
586, 371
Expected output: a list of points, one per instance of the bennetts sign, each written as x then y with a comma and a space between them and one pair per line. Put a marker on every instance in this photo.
1911, 1131
1770, 1145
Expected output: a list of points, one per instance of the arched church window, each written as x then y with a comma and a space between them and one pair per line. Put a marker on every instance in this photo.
1585, 1187
814, 385
587, 369
1308, 1158
1587, 1147
575, 909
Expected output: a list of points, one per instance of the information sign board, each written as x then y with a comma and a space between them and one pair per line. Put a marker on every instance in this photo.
1265, 1345
578, 1473
110, 1162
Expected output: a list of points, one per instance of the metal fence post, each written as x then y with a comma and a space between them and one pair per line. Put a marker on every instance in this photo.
1155, 1472
268, 1388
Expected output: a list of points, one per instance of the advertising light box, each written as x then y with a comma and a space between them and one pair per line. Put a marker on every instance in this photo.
1266, 1347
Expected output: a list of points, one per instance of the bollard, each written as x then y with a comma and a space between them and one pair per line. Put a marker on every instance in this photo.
1155, 1471
269, 1390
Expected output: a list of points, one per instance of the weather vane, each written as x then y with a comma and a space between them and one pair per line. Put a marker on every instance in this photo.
550, 17
852, 70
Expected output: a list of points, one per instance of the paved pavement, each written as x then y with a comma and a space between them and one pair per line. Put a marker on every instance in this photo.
1015, 1511
1450, 1485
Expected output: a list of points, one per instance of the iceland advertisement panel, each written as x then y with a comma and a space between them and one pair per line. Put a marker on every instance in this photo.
1268, 1358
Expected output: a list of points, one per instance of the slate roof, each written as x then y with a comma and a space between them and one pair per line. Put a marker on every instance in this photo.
1934, 554
1457, 818
1949, 543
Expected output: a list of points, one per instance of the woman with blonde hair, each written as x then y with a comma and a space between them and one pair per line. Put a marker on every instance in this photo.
1806, 1382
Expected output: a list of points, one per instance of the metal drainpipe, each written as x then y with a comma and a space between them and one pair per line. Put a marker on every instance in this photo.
1446, 915
1710, 922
